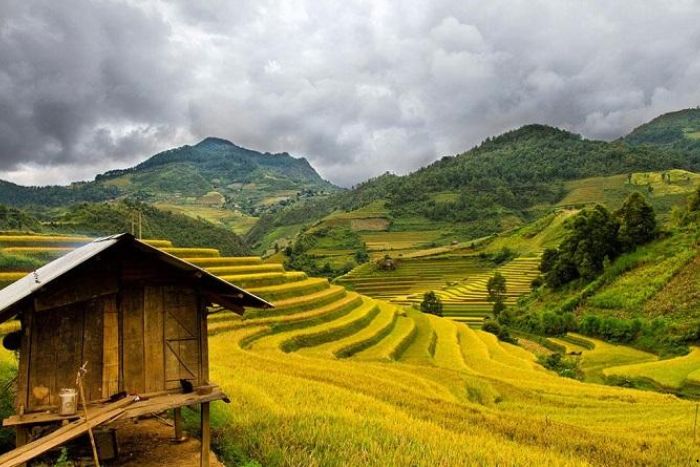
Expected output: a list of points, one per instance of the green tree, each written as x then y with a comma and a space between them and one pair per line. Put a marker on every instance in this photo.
361, 256
496, 288
637, 222
431, 304
592, 236
694, 203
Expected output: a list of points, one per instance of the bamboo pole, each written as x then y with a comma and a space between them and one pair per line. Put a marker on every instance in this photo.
79, 381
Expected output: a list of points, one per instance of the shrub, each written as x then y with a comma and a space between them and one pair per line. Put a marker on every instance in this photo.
503, 255
431, 304
567, 367
499, 331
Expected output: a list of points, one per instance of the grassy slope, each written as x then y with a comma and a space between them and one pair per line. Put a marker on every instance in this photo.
646, 283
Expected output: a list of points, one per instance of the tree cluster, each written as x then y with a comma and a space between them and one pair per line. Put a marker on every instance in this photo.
596, 237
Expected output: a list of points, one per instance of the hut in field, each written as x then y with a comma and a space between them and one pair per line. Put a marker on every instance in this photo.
136, 315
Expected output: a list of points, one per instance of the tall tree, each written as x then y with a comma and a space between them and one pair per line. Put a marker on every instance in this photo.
637, 222
496, 288
694, 203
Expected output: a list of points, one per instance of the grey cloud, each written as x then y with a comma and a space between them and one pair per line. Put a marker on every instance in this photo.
356, 87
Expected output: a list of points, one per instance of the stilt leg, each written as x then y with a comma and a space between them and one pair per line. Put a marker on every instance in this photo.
206, 435
21, 438
177, 415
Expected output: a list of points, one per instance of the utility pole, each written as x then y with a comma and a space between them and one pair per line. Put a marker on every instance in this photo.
140, 229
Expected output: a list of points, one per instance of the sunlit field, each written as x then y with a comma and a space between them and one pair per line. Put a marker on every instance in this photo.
332, 377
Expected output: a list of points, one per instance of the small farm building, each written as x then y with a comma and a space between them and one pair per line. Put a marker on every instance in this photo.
136, 315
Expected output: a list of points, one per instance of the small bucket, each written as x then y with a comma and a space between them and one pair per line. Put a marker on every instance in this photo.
69, 403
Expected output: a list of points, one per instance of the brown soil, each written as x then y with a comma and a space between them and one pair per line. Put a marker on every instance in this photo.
149, 443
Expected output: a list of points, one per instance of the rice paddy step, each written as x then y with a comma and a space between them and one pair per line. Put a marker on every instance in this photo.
325, 332
421, 348
244, 269
206, 262
300, 303
265, 279
293, 289
381, 326
192, 252
392, 346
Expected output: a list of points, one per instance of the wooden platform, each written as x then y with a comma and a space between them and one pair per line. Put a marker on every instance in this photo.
147, 404
99, 414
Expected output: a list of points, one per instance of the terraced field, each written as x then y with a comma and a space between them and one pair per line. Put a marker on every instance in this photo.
468, 300
680, 374
331, 377
412, 276
664, 189
597, 355
393, 241
389, 389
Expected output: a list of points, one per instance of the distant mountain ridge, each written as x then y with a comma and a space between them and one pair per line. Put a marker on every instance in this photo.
211, 150
214, 172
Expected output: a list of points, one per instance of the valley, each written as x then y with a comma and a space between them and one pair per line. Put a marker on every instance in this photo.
586, 360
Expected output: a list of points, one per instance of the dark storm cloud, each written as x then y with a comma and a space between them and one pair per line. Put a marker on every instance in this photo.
84, 83
358, 87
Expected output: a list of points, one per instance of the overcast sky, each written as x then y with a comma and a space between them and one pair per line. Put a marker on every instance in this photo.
357, 87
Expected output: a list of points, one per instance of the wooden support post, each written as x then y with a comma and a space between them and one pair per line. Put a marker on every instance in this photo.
206, 435
21, 438
177, 416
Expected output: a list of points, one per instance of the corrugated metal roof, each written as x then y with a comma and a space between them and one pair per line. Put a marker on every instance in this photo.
34, 281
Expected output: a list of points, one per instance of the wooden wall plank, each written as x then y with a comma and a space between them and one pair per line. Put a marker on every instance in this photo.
132, 339
182, 335
68, 347
43, 364
204, 344
154, 365
21, 398
110, 346
93, 345
172, 347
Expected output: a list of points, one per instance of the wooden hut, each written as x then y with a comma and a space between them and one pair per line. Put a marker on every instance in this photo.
136, 315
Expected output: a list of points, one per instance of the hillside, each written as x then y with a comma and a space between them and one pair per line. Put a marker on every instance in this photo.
100, 219
216, 180
676, 130
397, 387
506, 182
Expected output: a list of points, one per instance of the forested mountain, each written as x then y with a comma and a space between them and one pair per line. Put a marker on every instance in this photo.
678, 131
510, 174
212, 173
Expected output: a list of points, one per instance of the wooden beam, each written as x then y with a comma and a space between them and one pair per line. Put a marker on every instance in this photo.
64, 434
206, 436
148, 404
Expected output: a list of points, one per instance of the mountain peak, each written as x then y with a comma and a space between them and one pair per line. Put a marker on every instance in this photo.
213, 141
533, 131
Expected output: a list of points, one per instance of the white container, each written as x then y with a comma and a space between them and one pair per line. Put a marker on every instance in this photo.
69, 401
